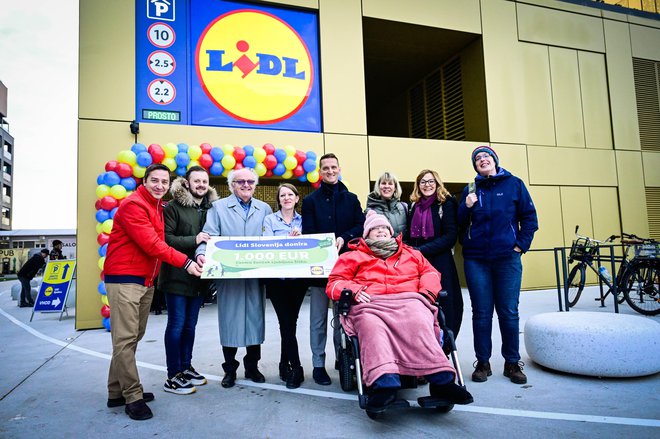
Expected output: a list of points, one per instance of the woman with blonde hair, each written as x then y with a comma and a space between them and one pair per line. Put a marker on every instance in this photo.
386, 200
432, 229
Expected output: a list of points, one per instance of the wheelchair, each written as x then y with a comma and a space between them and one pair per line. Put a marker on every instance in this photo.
350, 370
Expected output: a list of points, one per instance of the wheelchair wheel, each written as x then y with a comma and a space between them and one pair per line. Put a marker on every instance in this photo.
373, 415
575, 284
445, 408
346, 370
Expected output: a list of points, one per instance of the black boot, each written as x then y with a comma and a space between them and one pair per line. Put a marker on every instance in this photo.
296, 377
285, 370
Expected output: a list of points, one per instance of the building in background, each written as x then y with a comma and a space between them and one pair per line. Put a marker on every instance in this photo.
16, 246
7, 162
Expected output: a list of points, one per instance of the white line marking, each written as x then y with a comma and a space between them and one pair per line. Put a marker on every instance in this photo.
639, 422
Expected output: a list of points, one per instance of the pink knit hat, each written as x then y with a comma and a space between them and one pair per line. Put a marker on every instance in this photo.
375, 220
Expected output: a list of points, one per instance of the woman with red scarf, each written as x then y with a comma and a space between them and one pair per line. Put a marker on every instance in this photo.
432, 229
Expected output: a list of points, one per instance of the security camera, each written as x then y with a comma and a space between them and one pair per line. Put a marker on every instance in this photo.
135, 127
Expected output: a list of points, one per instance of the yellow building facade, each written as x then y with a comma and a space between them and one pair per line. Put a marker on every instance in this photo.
549, 85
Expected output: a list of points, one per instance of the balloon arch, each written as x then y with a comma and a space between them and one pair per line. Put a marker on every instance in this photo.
122, 176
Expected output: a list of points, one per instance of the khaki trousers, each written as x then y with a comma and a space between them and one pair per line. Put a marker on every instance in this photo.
129, 311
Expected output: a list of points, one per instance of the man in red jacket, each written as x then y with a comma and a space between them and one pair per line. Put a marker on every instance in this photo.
135, 251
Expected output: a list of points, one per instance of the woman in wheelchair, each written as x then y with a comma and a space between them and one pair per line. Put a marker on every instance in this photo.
394, 317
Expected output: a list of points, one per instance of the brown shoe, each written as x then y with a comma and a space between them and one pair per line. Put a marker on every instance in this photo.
481, 371
514, 372
138, 410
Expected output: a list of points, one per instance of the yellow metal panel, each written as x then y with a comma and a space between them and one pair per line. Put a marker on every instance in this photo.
645, 42
595, 100
632, 203
566, 97
651, 163
571, 166
353, 161
559, 28
621, 84
517, 80
107, 64
563, 6
342, 67
539, 271
576, 211
446, 14
605, 212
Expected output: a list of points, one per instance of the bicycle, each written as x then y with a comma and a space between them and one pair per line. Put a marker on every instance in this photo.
636, 279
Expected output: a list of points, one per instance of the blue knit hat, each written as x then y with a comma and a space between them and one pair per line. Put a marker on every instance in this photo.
488, 150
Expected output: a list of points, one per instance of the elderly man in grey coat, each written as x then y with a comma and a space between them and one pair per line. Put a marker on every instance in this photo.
240, 301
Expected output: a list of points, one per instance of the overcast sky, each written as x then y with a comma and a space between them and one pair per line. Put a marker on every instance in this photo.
39, 67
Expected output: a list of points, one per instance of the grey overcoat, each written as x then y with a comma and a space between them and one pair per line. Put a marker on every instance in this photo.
240, 301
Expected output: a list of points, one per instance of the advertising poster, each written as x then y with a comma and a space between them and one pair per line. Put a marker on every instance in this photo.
55, 286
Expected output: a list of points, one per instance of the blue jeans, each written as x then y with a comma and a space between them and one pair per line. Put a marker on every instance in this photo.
495, 284
182, 314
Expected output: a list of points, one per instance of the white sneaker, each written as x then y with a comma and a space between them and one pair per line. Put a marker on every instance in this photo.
193, 377
179, 385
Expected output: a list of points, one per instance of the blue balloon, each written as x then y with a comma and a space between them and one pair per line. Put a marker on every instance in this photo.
138, 148
101, 288
103, 249
309, 165
106, 323
111, 178
99, 179
181, 171
182, 147
182, 159
217, 153
129, 183
311, 155
280, 155
249, 150
249, 162
113, 211
216, 168
144, 159
279, 169
303, 178
102, 215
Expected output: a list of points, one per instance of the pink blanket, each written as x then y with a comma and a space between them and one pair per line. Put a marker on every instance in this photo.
398, 333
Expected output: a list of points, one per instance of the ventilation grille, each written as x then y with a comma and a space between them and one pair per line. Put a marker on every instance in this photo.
647, 91
435, 105
653, 208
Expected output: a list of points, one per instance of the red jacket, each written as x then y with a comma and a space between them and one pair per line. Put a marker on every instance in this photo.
137, 242
405, 271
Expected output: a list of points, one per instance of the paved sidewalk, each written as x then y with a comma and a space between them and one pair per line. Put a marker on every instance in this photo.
53, 385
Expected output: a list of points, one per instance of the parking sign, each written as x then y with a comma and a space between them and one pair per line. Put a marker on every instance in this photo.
161, 9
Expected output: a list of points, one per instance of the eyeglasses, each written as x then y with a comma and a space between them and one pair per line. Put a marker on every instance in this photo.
480, 157
427, 182
242, 182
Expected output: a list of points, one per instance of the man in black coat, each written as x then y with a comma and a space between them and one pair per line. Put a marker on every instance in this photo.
27, 273
329, 209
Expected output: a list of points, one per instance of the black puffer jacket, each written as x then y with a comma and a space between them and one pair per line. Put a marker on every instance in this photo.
183, 221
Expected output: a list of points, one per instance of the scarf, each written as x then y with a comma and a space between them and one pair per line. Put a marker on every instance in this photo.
383, 249
421, 225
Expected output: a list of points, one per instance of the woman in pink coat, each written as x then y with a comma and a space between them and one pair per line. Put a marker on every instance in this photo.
394, 317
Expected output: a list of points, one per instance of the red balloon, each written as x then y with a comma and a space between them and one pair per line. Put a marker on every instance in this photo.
298, 171
300, 157
111, 165
103, 238
316, 185
270, 149
239, 154
108, 202
138, 181
268, 173
124, 170
206, 148
97, 205
270, 162
238, 166
105, 311
102, 275
157, 153
205, 160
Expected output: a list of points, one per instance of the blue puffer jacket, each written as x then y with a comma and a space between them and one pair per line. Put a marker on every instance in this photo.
503, 217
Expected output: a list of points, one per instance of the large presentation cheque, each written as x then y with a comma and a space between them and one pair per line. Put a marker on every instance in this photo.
242, 257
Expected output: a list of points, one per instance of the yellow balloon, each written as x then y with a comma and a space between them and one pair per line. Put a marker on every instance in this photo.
170, 163
99, 228
192, 163
107, 226
102, 190
170, 150
194, 152
101, 262
104, 299
290, 163
128, 193
118, 191
226, 172
259, 154
260, 169
313, 176
228, 149
228, 162
139, 171
287, 174
127, 156
290, 150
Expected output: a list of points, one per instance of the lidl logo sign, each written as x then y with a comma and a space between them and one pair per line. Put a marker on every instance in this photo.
254, 66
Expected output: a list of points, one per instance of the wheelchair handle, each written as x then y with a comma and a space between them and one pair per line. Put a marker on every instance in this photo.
345, 301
